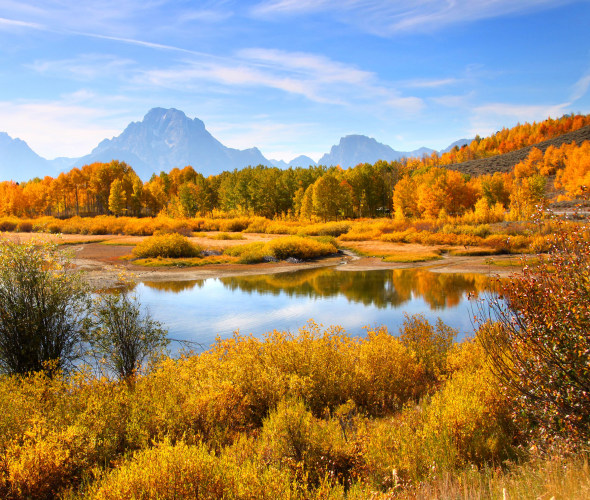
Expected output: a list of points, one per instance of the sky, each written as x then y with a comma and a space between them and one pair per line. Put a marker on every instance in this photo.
290, 76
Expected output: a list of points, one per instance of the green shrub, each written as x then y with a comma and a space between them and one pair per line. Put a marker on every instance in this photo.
250, 253
43, 303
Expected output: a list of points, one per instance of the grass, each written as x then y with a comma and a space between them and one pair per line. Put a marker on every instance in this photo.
185, 262
408, 257
557, 477
472, 252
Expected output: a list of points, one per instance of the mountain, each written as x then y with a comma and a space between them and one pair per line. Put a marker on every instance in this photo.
300, 161
355, 149
460, 143
18, 162
167, 138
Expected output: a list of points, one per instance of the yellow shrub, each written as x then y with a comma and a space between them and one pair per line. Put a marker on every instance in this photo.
361, 235
184, 471
166, 245
386, 374
300, 248
311, 449
325, 229
399, 236
46, 462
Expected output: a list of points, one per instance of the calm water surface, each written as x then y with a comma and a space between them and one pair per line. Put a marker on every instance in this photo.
198, 311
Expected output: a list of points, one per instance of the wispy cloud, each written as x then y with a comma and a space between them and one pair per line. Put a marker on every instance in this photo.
488, 118
84, 67
13, 23
386, 17
580, 88
71, 126
281, 140
314, 77
431, 84
125, 20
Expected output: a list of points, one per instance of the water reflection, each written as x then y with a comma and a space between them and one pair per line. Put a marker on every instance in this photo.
381, 289
199, 311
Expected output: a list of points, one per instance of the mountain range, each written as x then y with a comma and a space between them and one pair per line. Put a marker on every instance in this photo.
167, 138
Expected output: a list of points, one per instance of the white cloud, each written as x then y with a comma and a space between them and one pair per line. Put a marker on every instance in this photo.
12, 23
68, 127
84, 67
385, 17
314, 77
431, 84
274, 138
490, 117
580, 88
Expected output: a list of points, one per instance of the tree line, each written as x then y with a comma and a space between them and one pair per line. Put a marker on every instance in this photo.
417, 188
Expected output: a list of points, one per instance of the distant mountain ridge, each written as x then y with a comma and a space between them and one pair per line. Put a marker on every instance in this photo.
167, 138
355, 149
17, 152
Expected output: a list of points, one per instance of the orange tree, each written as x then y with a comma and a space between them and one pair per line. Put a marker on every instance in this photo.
539, 344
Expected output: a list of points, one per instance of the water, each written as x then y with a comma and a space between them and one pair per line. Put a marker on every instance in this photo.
198, 311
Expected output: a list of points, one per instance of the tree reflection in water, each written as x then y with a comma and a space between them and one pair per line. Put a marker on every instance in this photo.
375, 288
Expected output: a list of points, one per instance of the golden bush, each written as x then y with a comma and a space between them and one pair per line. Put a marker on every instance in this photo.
166, 245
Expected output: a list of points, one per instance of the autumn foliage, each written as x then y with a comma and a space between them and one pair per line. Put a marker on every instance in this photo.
408, 188
539, 343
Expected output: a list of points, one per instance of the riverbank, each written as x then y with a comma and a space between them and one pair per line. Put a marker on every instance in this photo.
104, 257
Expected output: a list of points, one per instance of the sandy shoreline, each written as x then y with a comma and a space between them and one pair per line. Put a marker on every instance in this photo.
102, 273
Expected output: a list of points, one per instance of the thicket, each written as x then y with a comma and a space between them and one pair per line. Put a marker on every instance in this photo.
539, 340
320, 414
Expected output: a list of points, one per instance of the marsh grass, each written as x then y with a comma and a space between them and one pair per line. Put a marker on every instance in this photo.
408, 257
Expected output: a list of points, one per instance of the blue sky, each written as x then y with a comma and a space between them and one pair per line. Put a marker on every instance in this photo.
290, 76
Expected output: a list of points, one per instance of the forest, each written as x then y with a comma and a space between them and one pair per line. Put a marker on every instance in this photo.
412, 188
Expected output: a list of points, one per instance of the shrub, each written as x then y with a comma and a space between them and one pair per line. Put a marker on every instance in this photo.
234, 225
430, 344
184, 471
166, 245
539, 345
250, 253
311, 449
7, 225
121, 336
43, 303
300, 248
24, 226
46, 462
283, 248
325, 229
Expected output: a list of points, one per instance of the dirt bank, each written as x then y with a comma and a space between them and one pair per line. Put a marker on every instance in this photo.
102, 259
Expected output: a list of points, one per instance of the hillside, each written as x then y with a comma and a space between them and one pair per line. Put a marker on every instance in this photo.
506, 161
